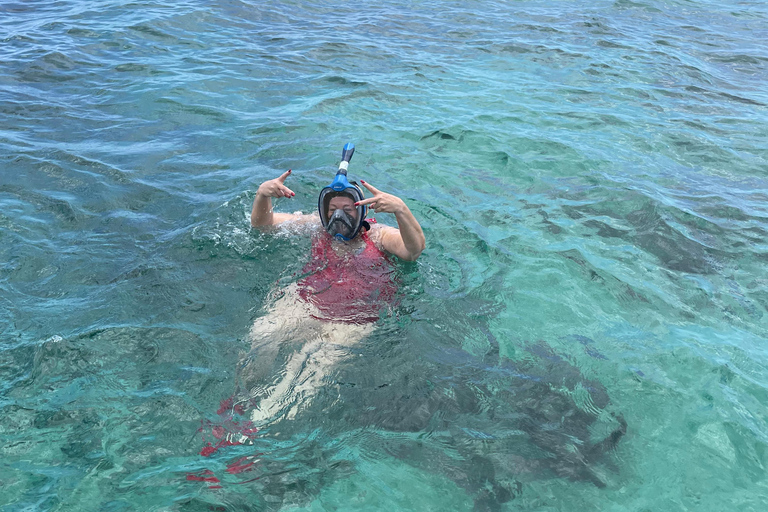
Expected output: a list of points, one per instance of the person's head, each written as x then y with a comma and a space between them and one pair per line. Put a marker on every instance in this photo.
339, 214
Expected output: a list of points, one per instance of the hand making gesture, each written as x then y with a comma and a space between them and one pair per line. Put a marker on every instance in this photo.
276, 187
381, 201
262, 214
407, 241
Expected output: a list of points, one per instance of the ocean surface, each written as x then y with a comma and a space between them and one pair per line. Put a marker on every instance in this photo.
586, 330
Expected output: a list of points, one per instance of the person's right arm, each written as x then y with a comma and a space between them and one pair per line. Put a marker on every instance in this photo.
262, 214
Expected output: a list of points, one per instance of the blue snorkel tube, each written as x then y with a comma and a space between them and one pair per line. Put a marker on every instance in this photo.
346, 155
341, 184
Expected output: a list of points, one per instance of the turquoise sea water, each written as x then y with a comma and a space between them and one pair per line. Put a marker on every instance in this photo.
592, 179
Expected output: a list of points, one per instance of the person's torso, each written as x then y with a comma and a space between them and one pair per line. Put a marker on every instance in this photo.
349, 285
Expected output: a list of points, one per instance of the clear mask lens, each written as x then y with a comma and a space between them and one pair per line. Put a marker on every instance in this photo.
341, 223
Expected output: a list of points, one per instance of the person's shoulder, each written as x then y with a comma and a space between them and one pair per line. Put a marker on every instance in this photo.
296, 221
379, 231
305, 218
381, 228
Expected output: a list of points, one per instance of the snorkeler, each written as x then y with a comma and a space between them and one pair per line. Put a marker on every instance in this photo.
347, 282
342, 208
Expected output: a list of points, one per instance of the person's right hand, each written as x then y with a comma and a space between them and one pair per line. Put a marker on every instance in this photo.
275, 187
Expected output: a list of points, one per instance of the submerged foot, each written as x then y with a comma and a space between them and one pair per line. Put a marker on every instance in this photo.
230, 430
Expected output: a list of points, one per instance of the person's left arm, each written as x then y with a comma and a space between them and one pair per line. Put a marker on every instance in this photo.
406, 242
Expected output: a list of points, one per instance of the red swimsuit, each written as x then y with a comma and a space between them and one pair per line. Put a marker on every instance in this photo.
351, 288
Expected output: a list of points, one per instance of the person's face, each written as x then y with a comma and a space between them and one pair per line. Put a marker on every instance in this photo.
342, 203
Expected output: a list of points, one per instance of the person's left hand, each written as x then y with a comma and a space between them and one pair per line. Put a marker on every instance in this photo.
381, 201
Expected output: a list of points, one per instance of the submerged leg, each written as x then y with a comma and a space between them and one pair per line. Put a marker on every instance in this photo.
305, 370
273, 337
291, 353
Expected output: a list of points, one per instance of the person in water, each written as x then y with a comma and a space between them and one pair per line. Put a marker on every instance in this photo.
347, 282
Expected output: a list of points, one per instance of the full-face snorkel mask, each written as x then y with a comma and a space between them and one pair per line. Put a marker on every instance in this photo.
343, 224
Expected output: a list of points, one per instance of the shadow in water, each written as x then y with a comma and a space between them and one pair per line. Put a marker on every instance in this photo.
489, 425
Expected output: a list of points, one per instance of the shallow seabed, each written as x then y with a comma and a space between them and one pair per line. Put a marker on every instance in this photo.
592, 178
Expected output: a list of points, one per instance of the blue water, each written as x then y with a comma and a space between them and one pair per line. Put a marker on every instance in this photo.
592, 179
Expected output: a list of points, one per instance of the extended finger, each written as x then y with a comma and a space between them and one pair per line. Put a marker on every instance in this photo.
287, 192
370, 187
369, 201
282, 177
